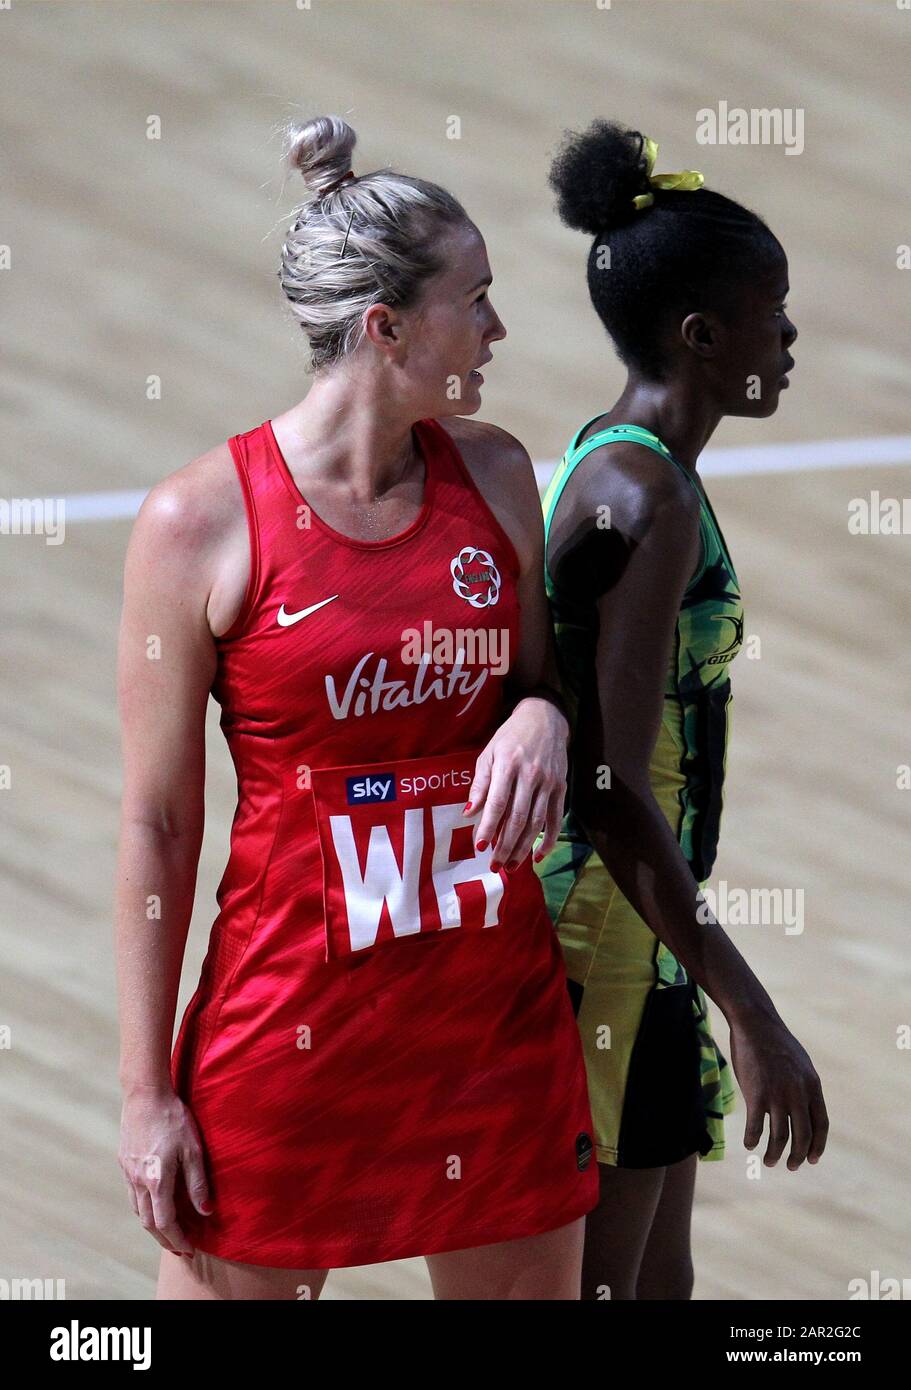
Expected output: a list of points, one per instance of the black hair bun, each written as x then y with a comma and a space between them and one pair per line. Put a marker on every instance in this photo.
597, 174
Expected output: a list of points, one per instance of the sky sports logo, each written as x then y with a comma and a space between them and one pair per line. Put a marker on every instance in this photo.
369, 788
362, 791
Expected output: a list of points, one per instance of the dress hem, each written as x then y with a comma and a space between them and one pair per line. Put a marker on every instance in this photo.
347, 1259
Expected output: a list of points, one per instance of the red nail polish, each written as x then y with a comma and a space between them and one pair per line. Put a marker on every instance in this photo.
513, 864
482, 844
467, 808
538, 856
494, 865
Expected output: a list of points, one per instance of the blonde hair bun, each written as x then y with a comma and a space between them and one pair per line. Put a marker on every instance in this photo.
321, 149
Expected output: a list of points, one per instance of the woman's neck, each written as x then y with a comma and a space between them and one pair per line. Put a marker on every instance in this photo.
682, 419
354, 437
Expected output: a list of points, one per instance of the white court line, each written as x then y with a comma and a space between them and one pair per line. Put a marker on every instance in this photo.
103, 506
790, 458
742, 462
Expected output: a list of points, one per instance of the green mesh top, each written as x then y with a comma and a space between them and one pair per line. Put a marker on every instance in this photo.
690, 753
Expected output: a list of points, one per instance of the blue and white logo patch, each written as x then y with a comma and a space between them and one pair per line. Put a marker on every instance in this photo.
363, 790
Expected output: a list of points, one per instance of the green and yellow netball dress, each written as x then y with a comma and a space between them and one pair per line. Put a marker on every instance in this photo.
659, 1086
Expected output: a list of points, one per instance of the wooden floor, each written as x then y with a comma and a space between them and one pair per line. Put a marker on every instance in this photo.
134, 259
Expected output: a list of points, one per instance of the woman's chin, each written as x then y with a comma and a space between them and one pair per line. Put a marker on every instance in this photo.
469, 404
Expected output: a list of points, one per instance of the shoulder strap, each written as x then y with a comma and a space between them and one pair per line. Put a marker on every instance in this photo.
574, 442
576, 453
638, 435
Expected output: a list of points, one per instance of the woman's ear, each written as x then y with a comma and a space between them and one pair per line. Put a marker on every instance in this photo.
384, 327
700, 333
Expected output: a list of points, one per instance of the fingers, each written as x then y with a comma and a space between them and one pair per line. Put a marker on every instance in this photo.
516, 796
508, 833
151, 1170
807, 1126
134, 1199
539, 813
147, 1218
153, 1202
756, 1113
803, 1119
165, 1213
495, 804
552, 823
194, 1173
521, 799
820, 1121
528, 832
512, 829
779, 1133
801, 1135
481, 782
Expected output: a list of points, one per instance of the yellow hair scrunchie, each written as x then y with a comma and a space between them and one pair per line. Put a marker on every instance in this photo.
686, 181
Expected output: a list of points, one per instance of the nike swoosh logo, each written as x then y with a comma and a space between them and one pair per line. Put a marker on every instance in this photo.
286, 619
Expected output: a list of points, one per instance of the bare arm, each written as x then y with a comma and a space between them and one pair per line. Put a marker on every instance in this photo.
166, 662
534, 672
520, 779
642, 564
649, 552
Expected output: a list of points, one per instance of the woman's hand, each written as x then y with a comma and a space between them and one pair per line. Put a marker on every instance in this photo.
157, 1136
520, 781
778, 1079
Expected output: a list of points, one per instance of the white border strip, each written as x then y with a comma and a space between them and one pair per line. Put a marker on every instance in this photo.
743, 462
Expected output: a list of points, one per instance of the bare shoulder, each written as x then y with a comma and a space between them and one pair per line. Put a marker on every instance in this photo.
485, 447
192, 505
501, 469
190, 539
634, 482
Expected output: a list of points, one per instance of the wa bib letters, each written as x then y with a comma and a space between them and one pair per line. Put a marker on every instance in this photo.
398, 854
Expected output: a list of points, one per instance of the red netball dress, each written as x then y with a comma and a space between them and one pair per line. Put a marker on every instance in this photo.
381, 1053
